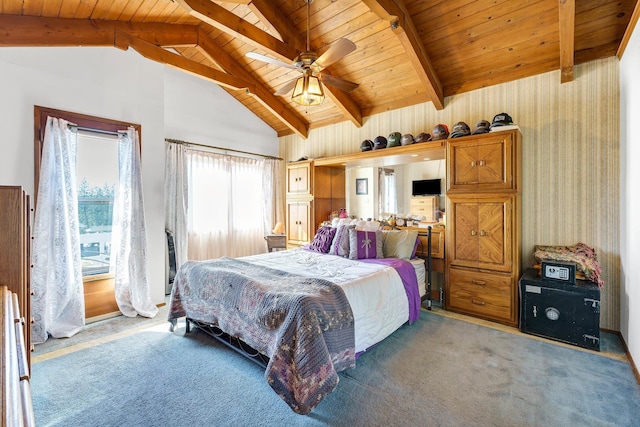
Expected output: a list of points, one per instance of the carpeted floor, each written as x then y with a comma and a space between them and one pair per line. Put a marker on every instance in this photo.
440, 371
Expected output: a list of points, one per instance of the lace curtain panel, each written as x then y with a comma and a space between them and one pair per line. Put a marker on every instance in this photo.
56, 277
129, 237
273, 173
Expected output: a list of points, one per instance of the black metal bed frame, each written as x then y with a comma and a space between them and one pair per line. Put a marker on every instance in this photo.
230, 341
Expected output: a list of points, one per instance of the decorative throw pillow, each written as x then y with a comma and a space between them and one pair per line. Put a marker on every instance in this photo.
322, 240
399, 244
365, 244
415, 248
340, 244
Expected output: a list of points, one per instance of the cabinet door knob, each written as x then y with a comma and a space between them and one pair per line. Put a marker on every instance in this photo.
473, 163
482, 163
483, 233
473, 232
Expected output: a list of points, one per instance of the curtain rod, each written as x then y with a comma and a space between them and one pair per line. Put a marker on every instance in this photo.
176, 141
92, 130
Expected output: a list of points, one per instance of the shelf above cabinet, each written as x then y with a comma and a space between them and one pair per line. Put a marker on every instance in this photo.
400, 155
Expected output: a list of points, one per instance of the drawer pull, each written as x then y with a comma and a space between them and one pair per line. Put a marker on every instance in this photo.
477, 302
479, 282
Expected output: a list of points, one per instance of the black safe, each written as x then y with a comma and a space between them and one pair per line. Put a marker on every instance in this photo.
561, 311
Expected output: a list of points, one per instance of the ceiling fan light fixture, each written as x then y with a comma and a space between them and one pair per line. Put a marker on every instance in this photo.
308, 91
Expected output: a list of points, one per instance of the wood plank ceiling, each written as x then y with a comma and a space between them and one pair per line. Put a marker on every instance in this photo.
408, 51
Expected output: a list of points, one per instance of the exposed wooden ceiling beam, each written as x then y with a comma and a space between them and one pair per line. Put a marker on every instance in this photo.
635, 17
150, 51
402, 25
220, 18
271, 102
346, 104
567, 39
275, 20
30, 31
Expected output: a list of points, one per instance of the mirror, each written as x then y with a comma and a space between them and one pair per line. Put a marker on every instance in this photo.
389, 187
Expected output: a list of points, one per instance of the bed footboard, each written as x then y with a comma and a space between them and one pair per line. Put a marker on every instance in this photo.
232, 342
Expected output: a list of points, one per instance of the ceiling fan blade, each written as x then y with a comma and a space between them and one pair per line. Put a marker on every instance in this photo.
338, 82
263, 58
338, 50
288, 87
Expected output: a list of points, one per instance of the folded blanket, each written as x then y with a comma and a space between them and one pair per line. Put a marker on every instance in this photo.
584, 256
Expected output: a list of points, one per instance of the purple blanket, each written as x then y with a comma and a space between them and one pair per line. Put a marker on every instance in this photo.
408, 275
304, 325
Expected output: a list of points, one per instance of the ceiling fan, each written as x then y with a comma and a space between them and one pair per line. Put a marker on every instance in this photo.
307, 89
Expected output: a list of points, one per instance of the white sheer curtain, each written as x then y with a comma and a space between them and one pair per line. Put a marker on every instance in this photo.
56, 278
176, 199
226, 214
272, 185
388, 198
129, 238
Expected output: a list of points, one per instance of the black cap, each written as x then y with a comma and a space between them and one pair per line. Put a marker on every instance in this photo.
502, 119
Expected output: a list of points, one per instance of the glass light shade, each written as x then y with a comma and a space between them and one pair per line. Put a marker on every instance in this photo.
308, 91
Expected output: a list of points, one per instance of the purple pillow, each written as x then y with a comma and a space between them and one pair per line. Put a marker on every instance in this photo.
415, 248
340, 245
365, 244
322, 240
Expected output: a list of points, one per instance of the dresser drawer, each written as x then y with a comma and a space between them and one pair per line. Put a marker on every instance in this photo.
483, 294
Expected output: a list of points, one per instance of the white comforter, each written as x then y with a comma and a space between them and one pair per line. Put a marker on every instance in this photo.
375, 292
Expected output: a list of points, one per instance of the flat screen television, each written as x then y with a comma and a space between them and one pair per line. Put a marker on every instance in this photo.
426, 187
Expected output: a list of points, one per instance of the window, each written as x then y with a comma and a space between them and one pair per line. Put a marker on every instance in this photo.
97, 177
388, 203
97, 168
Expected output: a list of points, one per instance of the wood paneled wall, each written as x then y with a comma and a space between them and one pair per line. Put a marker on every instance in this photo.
571, 182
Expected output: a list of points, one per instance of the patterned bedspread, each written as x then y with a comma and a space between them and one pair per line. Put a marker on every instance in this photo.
303, 324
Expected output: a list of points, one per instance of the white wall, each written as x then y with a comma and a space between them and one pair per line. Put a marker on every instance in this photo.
110, 83
629, 200
199, 111
362, 205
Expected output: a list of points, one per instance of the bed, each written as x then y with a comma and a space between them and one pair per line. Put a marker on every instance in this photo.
305, 315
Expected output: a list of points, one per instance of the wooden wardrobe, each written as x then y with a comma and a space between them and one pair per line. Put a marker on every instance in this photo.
483, 225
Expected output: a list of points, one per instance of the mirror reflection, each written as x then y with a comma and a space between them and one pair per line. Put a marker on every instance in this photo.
398, 192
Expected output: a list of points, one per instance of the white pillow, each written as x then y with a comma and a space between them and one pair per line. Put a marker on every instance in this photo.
399, 243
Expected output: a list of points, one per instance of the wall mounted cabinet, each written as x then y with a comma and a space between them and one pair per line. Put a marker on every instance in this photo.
485, 162
313, 192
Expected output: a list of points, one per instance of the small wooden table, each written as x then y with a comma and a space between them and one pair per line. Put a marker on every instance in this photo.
276, 241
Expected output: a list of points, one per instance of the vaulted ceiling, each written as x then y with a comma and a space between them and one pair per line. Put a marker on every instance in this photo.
407, 51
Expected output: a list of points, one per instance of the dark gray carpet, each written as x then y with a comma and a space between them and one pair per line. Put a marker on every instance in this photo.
437, 372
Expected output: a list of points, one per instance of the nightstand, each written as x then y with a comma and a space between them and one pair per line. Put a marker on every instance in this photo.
276, 241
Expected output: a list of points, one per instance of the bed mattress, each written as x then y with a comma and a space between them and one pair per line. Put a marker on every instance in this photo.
421, 274
375, 292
